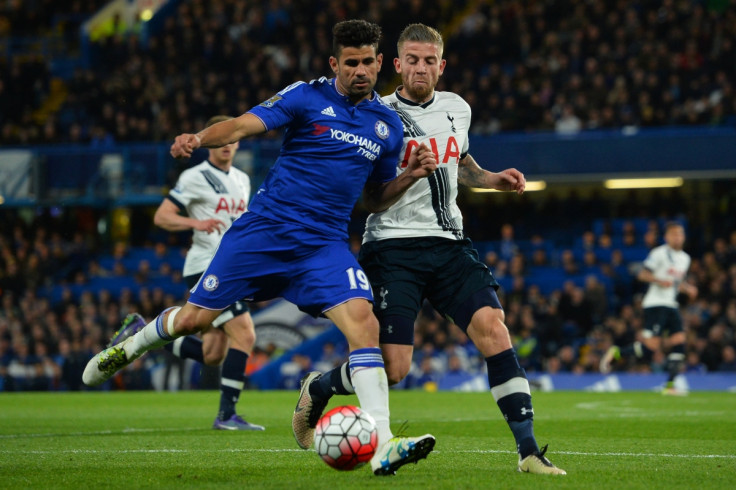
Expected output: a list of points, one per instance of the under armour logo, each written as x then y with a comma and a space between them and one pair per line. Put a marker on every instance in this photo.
525, 411
452, 122
383, 293
390, 329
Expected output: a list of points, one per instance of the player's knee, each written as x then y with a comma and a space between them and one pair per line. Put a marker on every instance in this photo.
489, 322
396, 371
213, 358
186, 322
479, 309
241, 332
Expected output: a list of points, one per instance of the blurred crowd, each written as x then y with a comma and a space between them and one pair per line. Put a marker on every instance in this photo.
565, 325
563, 66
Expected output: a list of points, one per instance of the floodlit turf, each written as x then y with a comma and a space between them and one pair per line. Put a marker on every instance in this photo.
164, 440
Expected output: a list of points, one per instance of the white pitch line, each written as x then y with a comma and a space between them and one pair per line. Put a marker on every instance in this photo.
265, 450
153, 451
101, 432
579, 453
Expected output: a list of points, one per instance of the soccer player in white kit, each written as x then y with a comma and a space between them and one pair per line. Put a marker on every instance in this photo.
416, 250
207, 198
665, 269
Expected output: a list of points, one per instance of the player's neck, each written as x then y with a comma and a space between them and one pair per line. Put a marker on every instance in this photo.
354, 101
225, 167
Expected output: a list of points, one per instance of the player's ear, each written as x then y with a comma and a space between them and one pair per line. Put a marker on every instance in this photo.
442, 66
379, 60
334, 64
397, 65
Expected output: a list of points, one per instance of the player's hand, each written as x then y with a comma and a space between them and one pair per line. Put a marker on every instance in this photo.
689, 289
210, 225
184, 145
511, 180
422, 161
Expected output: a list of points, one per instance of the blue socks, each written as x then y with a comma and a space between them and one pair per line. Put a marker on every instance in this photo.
232, 381
189, 347
510, 389
334, 382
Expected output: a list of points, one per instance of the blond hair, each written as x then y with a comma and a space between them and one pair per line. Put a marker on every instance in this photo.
420, 33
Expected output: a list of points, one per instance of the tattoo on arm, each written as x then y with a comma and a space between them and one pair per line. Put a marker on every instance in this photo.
469, 173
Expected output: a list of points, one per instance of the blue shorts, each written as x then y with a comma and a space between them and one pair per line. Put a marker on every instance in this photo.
260, 259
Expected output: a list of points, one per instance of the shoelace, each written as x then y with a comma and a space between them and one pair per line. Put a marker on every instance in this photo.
403, 429
543, 450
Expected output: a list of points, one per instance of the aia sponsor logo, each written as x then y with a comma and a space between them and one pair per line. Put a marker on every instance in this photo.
231, 207
451, 150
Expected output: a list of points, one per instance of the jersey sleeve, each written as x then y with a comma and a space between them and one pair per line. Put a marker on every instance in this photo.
185, 191
283, 107
385, 167
466, 146
652, 260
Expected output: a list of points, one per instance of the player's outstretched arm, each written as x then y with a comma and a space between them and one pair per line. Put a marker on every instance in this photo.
379, 197
217, 135
167, 217
470, 174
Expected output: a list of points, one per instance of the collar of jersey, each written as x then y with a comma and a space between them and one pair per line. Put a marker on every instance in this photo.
374, 94
406, 101
217, 168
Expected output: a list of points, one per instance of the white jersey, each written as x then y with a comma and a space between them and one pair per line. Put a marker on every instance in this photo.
666, 264
429, 207
206, 192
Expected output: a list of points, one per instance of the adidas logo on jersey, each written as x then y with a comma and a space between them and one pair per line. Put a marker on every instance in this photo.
329, 111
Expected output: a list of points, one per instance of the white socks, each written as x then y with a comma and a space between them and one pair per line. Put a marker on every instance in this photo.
152, 336
371, 385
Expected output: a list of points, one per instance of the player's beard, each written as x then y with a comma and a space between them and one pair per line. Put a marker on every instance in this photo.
357, 91
419, 92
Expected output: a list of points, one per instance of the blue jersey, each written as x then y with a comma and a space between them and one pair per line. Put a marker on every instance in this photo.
331, 148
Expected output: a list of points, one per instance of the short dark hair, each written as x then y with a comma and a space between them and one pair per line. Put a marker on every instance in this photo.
672, 224
354, 34
215, 120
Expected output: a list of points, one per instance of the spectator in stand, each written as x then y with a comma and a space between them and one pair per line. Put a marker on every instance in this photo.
728, 359
582, 73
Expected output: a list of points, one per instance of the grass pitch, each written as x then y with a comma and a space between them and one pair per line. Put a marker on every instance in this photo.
163, 440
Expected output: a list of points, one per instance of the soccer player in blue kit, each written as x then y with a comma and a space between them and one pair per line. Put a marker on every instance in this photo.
340, 139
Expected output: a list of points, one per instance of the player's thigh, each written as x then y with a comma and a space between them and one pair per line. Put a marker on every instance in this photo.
660, 320
673, 322
356, 321
398, 273
397, 360
459, 276
252, 261
327, 277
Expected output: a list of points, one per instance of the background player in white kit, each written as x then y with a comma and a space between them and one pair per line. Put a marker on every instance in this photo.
416, 249
207, 198
665, 269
